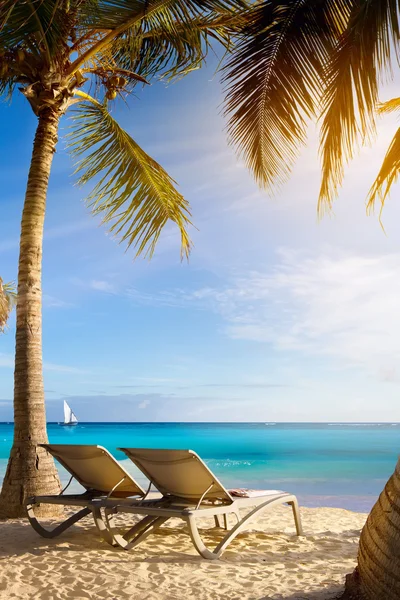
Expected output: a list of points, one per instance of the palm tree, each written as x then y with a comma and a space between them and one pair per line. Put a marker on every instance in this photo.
78, 55
8, 299
302, 59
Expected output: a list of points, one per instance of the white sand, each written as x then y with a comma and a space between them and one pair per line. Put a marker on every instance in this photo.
269, 562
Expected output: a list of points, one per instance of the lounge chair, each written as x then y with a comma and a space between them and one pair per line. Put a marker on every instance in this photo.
102, 477
189, 491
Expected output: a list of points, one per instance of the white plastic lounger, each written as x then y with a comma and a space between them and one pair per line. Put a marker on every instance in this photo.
190, 491
102, 477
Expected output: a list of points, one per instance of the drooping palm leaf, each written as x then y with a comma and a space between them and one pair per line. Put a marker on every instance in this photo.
390, 168
8, 298
274, 81
363, 53
134, 195
388, 173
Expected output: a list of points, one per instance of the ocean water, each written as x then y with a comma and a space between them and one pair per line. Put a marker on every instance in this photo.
344, 465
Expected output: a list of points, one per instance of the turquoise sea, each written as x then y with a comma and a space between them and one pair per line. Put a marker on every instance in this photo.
325, 464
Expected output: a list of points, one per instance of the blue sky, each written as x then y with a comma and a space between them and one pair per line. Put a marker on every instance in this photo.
275, 318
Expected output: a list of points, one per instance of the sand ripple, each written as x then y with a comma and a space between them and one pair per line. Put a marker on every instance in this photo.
269, 562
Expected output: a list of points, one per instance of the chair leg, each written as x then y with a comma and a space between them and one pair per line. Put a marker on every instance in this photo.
221, 521
135, 534
142, 525
296, 515
237, 515
240, 525
47, 533
197, 541
101, 526
217, 521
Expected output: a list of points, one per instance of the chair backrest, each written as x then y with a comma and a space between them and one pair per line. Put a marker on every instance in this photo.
95, 469
179, 473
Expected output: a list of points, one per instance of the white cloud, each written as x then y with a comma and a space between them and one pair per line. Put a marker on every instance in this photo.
162, 298
144, 404
7, 361
53, 233
53, 302
342, 306
102, 286
63, 368
339, 305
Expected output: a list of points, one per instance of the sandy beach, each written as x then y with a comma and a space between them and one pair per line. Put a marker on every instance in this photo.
267, 562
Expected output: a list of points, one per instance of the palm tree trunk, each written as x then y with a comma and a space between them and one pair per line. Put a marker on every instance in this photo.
31, 471
377, 576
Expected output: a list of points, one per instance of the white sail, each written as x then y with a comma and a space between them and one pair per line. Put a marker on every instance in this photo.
69, 417
67, 413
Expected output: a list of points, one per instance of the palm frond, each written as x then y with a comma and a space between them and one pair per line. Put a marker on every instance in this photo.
114, 14
35, 24
362, 55
7, 85
387, 175
130, 18
389, 106
170, 53
8, 299
134, 195
274, 81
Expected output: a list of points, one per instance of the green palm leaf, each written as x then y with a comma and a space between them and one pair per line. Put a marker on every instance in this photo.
134, 195
8, 298
36, 23
363, 52
274, 81
388, 173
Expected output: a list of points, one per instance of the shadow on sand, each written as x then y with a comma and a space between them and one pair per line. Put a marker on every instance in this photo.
85, 537
334, 592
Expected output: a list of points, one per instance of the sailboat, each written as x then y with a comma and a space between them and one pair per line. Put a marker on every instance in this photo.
69, 417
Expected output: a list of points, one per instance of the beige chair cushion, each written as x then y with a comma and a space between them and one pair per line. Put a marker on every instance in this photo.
95, 468
179, 473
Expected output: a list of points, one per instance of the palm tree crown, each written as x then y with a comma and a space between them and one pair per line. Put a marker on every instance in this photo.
57, 52
304, 59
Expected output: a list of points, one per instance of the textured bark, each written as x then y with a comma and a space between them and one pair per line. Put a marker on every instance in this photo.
31, 471
377, 576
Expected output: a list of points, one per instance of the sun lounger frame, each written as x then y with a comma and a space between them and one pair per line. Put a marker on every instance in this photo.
88, 500
156, 513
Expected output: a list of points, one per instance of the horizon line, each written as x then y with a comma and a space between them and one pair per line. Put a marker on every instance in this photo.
223, 422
